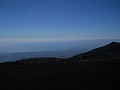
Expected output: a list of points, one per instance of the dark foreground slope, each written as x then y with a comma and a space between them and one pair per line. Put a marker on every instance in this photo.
59, 74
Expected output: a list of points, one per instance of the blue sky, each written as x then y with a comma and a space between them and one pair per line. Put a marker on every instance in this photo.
51, 19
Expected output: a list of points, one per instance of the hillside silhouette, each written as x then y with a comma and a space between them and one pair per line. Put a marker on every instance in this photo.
94, 70
109, 51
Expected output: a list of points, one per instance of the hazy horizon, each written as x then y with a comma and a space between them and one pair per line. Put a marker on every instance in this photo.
38, 46
40, 25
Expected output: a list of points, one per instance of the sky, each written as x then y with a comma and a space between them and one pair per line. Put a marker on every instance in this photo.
47, 20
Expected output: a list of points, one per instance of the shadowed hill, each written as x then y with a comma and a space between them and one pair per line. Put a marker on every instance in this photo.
65, 74
111, 50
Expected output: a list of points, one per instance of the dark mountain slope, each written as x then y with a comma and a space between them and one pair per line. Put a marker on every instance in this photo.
109, 51
93, 75
64, 74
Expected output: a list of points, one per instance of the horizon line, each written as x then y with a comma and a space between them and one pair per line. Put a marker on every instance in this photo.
49, 39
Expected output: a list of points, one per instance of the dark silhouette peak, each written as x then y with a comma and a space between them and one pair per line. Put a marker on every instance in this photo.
110, 50
114, 43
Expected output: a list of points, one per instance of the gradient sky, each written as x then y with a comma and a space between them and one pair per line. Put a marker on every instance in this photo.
96, 19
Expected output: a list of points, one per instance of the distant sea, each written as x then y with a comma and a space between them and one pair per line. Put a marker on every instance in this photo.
11, 51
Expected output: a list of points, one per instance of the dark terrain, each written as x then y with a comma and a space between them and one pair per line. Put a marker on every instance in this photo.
98, 69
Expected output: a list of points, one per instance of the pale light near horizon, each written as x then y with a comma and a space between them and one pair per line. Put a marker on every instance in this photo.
47, 39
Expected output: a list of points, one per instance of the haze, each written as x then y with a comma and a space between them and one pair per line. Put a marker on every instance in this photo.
25, 23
